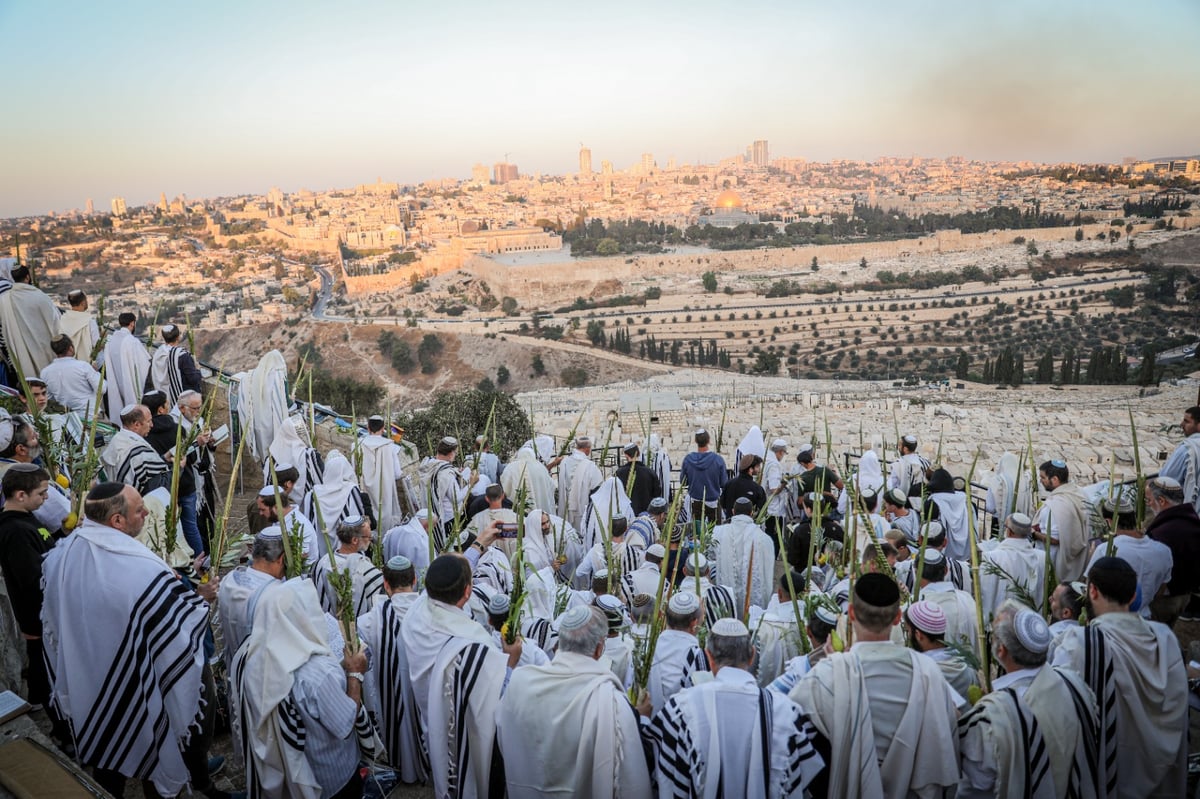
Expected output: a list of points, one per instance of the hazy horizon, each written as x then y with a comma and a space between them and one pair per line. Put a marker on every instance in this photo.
135, 99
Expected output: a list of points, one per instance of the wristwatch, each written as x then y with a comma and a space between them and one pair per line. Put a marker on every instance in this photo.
358, 675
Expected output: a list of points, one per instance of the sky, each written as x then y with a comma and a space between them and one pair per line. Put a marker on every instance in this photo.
221, 98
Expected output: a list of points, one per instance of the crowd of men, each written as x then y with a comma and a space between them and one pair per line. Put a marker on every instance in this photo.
540, 628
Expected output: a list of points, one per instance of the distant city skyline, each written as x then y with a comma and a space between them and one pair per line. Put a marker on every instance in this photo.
136, 98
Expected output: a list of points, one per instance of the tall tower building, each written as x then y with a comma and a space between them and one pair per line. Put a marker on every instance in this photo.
759, 153
647, 163
162, 201
118, 206
606, 170
91, 207
503, 173
479, 174
585, 162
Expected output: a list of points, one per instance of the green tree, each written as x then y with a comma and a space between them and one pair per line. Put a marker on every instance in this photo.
539, 368
815, 266
574, 376
963, 367
508, 305
464, 415
710, 281
607, 247
502, 375
1078, 234
1146, 371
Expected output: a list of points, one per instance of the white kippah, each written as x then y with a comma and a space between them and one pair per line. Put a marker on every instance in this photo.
697, 562
934, 556
934, 529
1031, 631
423, 513
450, 441
779, 443
609, 603
128, 409
657, 550
272, 531
683, 603
729, 627
600, 574
826, 615
499, 604
910, 439
283, 466
399, 563
1168, 483
806, 447
575, 618
268, 491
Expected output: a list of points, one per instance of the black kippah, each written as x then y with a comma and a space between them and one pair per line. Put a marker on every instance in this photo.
1114, 564
444, 572
105, 491
877, 590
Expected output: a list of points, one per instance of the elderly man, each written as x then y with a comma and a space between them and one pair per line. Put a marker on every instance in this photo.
458, 676
71, 382
129, 656
729, 732
886, 713
1136, 672
188, 413
1064, 518
1184, 464
581, 479
241, 585
565, 728
1013, 568
130, 459
1176, 525
387, 692
302, 721
354, 539
1035, 734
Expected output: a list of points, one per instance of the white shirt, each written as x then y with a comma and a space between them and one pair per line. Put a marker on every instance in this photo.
1152, 560
72, 383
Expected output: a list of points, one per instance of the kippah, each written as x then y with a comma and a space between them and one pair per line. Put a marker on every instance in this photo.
897, 497
934, 529
806, 447
630, 447
927, 617
960, 484
742, 500
910, 439
375, 418
575, 618
37, 381
480, 439
677, 534
779, 443
658, 504
746, 462
1118, 504
877, 590
934, 556
444, 572
105, 491
1020, 523
450, 441
1031, 631
582, 441
399, 563
641, 600
1112, 562
697, 561
23, 467
816, 576
272, 531
683, 602
700, 431
867, 494
1058, 463
128, 409
1169, 483
826, 615
353, 521
1079, 587
283, 467
268, 490
423, 513
729, 627
499, 604
168, 328
600, 574
658, 550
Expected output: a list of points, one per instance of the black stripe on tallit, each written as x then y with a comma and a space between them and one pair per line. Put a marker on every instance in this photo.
718, 604
673, 760
1098, 671
469, 665
1089, 732
800, 749
154, 619
1026, 738
765, 723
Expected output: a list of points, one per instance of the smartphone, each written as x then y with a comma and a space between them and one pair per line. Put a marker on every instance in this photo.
508, 530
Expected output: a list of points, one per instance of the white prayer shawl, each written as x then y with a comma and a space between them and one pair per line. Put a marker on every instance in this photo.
566, 729
366, 582
30, 322
956, 671
387, 691
154, 531
772, 478
1064, 516
741, 550
410, 540
677, 657
288, 630
335, 497
585, 479
1002, 733
566, 468
233, 598
494, 571
921, 759
728, 737
1021, 561
127, 364
907, 472
958, 520
1009, 491
81, 328
1190, 479
380, 470
751, 444
660, 463
286, 446
719, 600
1066, 712
618, 652
1136, 672
869, 477
124, 660
608, 500
457, 674
962, 625
525, 470
129, 459
165, 373
542, 446
777, 641
262, 406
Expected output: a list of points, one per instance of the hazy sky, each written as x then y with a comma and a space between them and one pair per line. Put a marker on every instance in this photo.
134, 98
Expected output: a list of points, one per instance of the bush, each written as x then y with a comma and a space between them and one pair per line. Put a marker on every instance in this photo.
574, 376
464, 415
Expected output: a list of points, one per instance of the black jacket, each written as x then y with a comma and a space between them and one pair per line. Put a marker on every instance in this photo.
22, 547
162, 438
645, 486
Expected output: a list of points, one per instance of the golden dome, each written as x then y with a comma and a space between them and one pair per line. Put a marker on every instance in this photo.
728, 200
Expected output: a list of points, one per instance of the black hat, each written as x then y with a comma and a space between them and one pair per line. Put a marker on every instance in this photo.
876, 590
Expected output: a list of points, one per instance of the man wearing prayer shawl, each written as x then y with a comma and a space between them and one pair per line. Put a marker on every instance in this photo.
294, 523
354, 538
172, 368
885, 712
387, 692
381, 468
1034, 735
743, 558
458, 676
411, 540
926, 622
566, 728
446, 487
126, 661
30, 321
240, 586
525, 470
957, 518
1183, 465
659, 462
300, 709
188, 414
603, 504
1009, 490
583, 479
962, 620
678, 660
909, 471
80, 326
336, 497
776, 636
1063, 517
127, 367
728, 736
1136, 672
130, 459
1014, 558
71, 382
869, 477
718, 600
290, 446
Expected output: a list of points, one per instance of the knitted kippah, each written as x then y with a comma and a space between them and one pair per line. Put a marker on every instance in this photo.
927, 617
1031, 631
729, 627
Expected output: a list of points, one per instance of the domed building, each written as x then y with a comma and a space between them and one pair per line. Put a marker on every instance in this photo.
727, 211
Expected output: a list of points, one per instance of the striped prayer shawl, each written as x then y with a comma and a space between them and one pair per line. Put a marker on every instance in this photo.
129, 459
718, 604
401, 728
356, 504
165, 372
1017, 748
366, 581
1081, 785
1098, 673
540, 632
